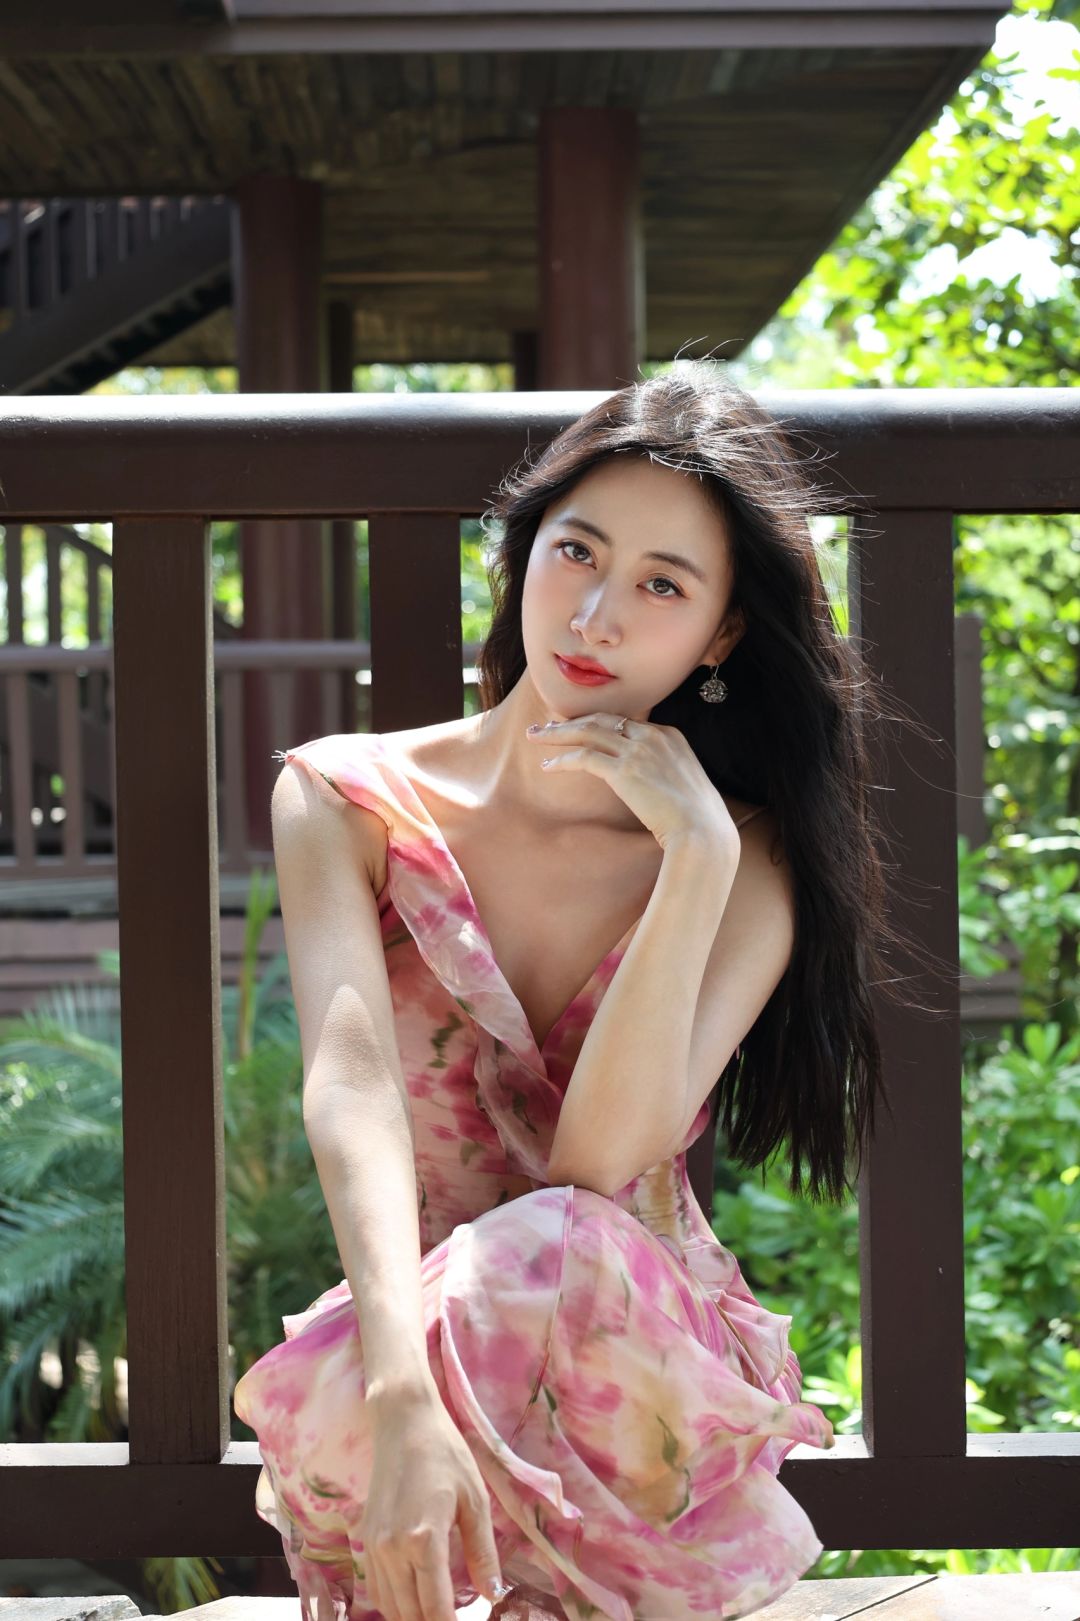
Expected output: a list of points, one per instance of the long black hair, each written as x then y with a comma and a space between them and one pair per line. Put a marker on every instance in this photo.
792, 734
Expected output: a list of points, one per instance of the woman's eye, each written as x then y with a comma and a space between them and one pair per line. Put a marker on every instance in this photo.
576, 545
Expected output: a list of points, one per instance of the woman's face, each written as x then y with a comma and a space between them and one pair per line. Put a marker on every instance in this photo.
650, 622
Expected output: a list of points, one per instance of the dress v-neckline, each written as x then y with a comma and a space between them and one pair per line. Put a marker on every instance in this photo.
397, 760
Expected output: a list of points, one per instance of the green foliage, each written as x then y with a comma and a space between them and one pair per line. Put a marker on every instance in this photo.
61, 1212
903, 299
1022, 1273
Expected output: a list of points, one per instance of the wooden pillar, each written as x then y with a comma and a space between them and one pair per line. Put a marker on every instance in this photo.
277, 266
592, 284
340, 361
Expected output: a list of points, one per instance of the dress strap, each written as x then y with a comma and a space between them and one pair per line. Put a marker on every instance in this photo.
750, 816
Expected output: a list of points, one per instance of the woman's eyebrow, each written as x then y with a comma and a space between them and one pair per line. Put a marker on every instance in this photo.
674, 558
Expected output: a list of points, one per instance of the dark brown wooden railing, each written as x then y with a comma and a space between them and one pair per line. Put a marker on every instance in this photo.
415, 464
40, 742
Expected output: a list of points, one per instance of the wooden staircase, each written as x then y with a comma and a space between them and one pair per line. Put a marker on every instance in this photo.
88, 286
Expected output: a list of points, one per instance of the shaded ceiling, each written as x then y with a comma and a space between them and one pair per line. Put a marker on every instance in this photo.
762, 130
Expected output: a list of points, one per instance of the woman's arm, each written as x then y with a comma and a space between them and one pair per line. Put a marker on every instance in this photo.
627, 1094
711, 948
355, 1104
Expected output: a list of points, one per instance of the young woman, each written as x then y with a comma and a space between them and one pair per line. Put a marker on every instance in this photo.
521, 959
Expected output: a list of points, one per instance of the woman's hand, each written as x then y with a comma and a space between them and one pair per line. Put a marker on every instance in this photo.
424, 1479
651, 767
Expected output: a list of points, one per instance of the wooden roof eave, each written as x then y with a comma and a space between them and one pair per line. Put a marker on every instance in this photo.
170, 28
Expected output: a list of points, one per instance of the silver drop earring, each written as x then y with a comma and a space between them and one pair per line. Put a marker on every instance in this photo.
714, 691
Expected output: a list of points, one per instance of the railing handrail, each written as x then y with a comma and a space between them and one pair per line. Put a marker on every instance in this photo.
242, 654
109, 456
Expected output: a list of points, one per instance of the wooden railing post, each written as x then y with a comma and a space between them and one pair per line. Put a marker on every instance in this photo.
170, 994
414, 565
911, 1213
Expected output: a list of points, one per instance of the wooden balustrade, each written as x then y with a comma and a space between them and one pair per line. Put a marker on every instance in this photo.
415, 464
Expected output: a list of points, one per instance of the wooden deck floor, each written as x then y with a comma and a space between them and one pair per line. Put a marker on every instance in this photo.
1051, 1596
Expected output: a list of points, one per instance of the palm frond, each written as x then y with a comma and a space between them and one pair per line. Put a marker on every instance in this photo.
38, 1037
39, 1328
45, 1140
47, 1245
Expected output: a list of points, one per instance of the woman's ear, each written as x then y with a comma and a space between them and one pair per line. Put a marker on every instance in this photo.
728, 636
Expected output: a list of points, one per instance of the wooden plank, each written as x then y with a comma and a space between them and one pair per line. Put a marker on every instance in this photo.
414, 564
82, 242
53, 585
174, 1210
970, 733
233, 786
67, 696
839, 1597
1010, 1596
20, 793
13, 580
901, 595
50, 253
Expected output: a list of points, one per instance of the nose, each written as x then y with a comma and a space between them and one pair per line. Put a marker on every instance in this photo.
594, 621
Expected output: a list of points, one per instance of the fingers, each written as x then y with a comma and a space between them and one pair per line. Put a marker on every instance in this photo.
404, 1603
418, 1580
371, 1587
435, 1590
478, 1543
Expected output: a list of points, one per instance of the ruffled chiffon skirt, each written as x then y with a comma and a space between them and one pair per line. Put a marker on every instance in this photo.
615, 1407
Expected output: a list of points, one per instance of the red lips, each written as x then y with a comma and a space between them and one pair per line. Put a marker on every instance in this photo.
585, 664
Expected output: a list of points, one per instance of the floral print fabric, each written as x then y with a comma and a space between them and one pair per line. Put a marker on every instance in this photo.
627, 1399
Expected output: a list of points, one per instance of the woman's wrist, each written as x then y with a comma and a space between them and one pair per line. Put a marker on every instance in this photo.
710, 853
399, 1392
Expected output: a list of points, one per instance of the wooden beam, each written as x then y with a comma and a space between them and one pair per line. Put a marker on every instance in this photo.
492, 25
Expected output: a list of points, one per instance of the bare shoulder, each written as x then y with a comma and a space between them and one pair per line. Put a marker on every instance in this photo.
316, 826
434, 747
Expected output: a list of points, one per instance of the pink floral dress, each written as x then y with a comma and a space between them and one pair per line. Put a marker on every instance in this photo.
626, 1398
